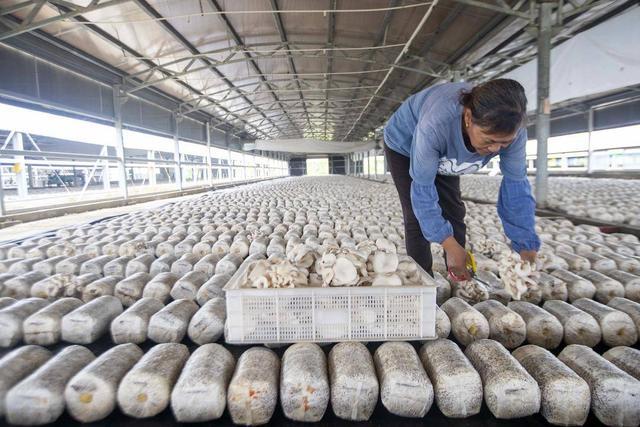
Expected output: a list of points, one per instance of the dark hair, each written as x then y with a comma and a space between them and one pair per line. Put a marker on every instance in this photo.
498, 106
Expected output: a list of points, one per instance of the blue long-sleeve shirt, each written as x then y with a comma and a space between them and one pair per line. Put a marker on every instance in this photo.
427, 129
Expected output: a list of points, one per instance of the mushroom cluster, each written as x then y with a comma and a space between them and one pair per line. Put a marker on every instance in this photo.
334, 264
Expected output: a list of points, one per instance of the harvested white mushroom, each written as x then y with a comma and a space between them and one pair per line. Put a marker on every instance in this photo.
200, 394
207, 325
625, 358
39, 398
170, 324
615, 395
145, 390
579, 327
467, 323
405, 389
17, 365
44, 327
457, 385
505, 325
543, 329
616, 326
91, 394
577, 287
132, 325
273, 273
12, 317
565, 397
253, 391
509, 391
90, 321
304, 383
354, 385
129, 290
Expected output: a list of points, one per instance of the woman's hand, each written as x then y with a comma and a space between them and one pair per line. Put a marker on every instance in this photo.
456, 258
529, 256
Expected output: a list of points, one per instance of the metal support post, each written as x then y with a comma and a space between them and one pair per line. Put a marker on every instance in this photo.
151, 167
176, 151
209, 175
544, 105
244, 166
375, 162
384, 164
119, 98
3, 210
19, 167
106, 179
229, 163
590, 147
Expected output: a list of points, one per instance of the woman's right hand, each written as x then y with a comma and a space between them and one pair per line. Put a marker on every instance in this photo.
456, 258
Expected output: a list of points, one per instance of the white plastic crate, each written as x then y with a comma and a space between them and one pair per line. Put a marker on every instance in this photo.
394, 313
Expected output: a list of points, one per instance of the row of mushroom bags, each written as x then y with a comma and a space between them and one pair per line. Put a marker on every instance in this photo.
36, 386
157, 276
607, 199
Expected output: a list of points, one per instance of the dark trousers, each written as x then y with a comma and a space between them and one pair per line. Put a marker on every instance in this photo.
450, 200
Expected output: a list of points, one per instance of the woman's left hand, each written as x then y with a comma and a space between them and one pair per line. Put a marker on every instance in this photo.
529, 256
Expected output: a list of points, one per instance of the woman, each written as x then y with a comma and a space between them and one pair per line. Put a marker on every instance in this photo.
449, 130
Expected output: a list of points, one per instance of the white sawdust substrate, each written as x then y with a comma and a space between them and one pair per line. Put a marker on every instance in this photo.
565, 397
509, 390
91, 394
456, 383
615, 395
405, 388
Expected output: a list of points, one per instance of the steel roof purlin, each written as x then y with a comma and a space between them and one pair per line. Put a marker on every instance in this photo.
144, 5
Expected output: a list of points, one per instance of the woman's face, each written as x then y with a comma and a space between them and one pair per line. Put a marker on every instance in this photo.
485, 143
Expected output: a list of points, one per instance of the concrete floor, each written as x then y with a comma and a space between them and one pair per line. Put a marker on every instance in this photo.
24, 230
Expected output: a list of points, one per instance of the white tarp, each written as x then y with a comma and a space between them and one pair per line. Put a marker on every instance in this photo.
306, 145
603, 58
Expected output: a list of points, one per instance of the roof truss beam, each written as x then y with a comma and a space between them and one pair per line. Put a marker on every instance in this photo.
147, 8
30, 24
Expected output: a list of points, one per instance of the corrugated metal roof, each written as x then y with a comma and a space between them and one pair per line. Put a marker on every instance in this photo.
296, 68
